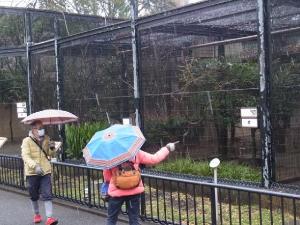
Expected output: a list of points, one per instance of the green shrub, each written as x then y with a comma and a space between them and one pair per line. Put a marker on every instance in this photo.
228, 170
77, 136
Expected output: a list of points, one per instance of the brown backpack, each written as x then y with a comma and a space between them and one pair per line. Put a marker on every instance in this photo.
126, 176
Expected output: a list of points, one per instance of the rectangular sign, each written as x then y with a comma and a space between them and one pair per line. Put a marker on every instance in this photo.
21, 110
21, 104
22, 115
126, 121
249, 123
249, 112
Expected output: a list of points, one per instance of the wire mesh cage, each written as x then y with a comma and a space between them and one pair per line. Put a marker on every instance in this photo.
197, 71
98, 77
197, 66
285, 87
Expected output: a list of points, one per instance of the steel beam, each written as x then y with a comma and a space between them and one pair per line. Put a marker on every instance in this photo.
198, 29
294, 3
60, 15
202, 11
78, 38
13, 52
160, 18
182, 10
243, 39
45, 46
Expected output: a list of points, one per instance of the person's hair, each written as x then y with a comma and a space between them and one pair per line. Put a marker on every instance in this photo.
36, 122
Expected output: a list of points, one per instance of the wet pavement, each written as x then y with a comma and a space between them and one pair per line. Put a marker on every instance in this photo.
15, 209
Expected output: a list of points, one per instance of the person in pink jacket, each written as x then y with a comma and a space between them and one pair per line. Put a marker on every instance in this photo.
131, 196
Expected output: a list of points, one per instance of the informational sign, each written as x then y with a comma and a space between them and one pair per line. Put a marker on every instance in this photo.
22, 115
249, 117
21, 109
126, 121
21, 105
249, 123
249, 112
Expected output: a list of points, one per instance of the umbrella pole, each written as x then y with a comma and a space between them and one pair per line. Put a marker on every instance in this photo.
63, 139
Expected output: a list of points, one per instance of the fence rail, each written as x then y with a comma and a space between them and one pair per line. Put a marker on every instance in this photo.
168, 198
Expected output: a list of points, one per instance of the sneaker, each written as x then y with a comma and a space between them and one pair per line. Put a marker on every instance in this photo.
37, 218
51, 221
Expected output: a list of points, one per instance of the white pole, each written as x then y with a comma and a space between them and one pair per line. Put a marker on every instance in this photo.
214, 165
216, 193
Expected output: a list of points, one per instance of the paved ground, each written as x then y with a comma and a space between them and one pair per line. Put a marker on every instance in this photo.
15, 209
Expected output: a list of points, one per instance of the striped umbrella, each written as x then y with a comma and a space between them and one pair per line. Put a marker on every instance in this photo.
51, 117
113, 146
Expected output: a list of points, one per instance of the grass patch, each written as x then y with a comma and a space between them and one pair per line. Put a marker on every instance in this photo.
228, 170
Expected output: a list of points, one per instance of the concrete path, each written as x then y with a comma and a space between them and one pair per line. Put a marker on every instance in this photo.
15, 209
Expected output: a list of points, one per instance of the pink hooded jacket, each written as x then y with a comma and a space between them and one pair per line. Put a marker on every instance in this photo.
141, 158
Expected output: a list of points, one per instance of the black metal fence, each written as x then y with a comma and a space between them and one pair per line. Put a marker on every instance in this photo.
171, 199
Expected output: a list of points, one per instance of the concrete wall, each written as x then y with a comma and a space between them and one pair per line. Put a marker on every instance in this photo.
10, 125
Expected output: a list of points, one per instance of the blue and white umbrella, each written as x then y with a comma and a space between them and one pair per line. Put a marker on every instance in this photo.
113, 146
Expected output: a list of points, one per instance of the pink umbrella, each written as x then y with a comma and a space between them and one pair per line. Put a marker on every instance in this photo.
51, 117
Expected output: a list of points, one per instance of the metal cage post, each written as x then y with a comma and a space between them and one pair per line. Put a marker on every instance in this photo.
28, 42
265, 91
135, 61
59, 82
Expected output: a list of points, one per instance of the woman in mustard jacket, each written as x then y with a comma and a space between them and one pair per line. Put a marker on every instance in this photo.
36, 150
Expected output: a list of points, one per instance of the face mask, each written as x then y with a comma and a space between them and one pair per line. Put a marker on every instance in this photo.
41, 132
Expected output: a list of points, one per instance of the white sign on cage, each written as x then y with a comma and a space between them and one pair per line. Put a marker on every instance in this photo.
249, 112
21, 109
249, 117
126, 121
252, 123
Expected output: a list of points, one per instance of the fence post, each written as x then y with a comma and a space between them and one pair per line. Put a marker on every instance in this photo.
213, 206
22, 174
89, 188
143, 203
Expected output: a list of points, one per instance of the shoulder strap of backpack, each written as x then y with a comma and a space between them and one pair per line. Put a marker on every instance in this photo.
135, 163
40, 147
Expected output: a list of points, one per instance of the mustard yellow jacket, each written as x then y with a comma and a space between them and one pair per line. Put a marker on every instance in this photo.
33, 155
